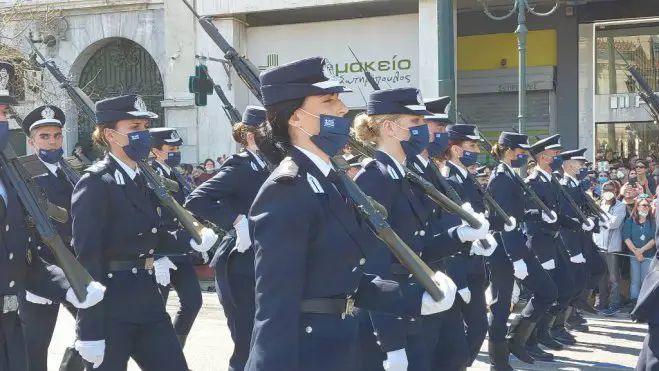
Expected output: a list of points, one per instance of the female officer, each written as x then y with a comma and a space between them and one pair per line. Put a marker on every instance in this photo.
224, 200
116, 230
310, 245
394, 122
515, 260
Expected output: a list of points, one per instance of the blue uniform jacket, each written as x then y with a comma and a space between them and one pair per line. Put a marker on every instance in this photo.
506, 191
113, 220
572, 234
310, 243
224, 197
20, 265
407, 215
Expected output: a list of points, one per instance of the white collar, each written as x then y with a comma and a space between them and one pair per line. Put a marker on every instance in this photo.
323, 166
130, 172
166, 167
398, 165
258, 158
51, 167
548, 175
509, 167
464, 172
423, 160
571, 177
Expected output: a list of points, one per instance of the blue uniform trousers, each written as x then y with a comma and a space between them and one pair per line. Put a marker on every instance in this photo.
446, 340
12, 345
475, 312
38, 322
372, 357
564, 281
184, 280
153, 346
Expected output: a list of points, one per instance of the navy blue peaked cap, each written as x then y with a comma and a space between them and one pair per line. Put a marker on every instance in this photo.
575, 154
43, 116
7, 73
463, 132
551, 142
439, 108
480, 172
299, 79
399, 101
160, 136
254, 116
514, 140
122, 108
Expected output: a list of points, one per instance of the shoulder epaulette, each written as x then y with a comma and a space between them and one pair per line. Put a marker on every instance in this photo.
287, 170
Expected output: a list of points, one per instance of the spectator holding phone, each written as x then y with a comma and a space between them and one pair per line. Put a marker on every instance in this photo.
647, 182
638, 235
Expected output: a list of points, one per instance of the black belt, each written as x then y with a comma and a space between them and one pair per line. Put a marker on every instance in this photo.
329, 306
9, 303
399, 269
127, 265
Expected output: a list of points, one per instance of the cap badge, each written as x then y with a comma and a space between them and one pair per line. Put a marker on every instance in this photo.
4, 81
48, 113
140, 105
328, 69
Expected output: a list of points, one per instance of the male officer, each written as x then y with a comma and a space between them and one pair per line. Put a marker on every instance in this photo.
183, 277
20, 267
43, 126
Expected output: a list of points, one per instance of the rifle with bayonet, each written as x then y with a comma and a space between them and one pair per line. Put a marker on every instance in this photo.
249, 74
645, 92
154, 181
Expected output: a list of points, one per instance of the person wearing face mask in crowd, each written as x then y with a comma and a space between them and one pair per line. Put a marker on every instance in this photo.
602, 178
207, 173
609, 240
311, 248
644, 177
43, 126
175, 271
224, 200
444, 332
543, 238
116, 232
514, 260
638, 236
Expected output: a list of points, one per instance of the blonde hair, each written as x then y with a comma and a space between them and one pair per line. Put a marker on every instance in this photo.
367, 128
239, 132
98, 136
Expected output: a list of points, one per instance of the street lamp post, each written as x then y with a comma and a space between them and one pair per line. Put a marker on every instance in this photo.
521, 7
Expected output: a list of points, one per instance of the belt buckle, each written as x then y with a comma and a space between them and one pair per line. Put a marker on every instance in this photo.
148, 263
9, 304
349, 309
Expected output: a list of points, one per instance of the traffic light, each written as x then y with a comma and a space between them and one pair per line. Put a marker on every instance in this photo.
201, 85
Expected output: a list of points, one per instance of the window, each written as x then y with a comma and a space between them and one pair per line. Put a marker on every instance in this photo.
622, 140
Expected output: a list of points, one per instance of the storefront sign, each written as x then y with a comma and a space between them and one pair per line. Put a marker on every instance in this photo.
622, 108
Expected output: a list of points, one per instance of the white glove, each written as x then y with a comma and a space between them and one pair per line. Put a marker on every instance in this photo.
243, 242
162, 267
477, 247
521, 271
91, 351
512, 226
550, 219
467, 233
578, 259
446, 284
36, 299
396, 361
549, 265
208, 239
589, 225
466, 294
95, 293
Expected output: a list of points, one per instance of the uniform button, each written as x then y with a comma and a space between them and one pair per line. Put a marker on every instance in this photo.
412, 319
158, 210
154, 230
38, 247
139, 234
416, 233
134, 270
308, 329
150, 271
410, 276
12, 283
109, 275
175, 219
375, 333
7, 228
354, 269
362, 261
151, 251
400, 318
422, 233
29, 239
11, 255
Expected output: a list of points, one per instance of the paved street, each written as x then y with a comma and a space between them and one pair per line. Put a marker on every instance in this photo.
612, 343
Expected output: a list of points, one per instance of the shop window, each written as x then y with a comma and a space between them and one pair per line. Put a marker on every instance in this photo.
620, 141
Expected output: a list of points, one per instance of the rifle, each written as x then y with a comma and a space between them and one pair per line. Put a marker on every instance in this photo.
154, 181
646, 93
249, 74
17, 173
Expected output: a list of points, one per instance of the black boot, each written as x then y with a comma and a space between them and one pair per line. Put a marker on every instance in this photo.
519, 332
182, 339
558, 331
534, 350
544, 336
576, 322
499, 356
583, 304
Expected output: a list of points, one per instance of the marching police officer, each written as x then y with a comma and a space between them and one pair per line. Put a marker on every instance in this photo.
176, 271
646, 312
444, 332
116, 232
225, 200
22, 268
514, 260
310, 248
